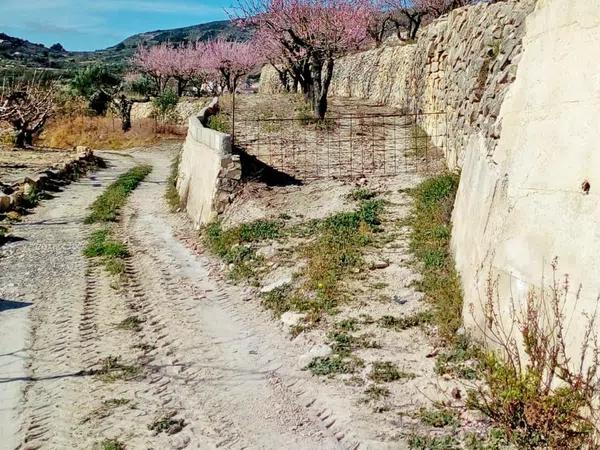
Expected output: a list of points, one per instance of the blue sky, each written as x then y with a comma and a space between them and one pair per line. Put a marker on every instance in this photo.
97, 24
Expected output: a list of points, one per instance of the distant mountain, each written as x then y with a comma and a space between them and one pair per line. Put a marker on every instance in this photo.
16, 52
19, 52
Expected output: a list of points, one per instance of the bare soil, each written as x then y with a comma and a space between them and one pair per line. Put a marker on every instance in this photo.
16, 164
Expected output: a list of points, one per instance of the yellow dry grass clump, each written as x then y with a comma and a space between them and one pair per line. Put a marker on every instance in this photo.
105, 133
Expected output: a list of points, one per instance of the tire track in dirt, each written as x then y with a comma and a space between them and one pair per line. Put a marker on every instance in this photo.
218, 359
48, 268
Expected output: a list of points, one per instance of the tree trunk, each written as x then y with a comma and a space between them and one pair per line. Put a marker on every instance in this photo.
124, 106
321, 82
24, 138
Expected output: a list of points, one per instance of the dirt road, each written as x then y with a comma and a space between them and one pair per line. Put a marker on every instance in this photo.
170, 357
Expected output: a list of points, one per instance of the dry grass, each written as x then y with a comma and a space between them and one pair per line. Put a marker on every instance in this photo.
105, 133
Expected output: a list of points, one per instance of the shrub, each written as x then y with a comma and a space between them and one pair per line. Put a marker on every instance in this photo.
219, 122
540, 398
164, 106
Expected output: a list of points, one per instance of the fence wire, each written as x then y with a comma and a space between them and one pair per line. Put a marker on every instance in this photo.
346, 145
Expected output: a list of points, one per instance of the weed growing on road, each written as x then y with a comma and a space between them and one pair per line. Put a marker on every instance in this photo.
406, 322
166, 424
423, 442
459, 360
107, 206
111, 369
386, 371
334, 364
110, 444
116, 402
430, 240
438, 417
494, 439
337, 250
334, 251
344, 343
131, 324
362, 194
112, 252
376, 393
100, 244
171, 194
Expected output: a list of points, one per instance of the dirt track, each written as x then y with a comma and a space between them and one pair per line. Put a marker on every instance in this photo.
201, 354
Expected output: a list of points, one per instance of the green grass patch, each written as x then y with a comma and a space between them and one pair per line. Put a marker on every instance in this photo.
430, 242
334, 364
171, 194
101, 244
438, 417
112, 252
234, 245
107, 206
337, 249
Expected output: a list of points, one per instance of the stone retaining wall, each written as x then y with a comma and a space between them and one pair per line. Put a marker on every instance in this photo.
462, 64
209, 173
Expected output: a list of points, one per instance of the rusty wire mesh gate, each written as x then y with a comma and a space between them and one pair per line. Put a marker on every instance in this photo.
346, 145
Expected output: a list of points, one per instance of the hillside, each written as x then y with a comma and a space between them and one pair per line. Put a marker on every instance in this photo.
18, 53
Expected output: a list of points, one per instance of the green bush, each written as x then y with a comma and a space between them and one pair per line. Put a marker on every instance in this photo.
165, 105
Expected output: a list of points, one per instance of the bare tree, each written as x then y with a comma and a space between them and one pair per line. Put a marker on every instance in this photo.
26, 105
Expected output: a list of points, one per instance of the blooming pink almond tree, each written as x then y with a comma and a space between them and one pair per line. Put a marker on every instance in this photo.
231, 60
157, 63
315, 31
164, 62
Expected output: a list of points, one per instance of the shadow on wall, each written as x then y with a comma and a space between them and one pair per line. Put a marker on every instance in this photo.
254, 169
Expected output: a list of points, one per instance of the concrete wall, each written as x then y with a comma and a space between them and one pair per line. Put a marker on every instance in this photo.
522, 204
208, 172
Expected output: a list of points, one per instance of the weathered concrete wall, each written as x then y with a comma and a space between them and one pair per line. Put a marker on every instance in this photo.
522, 204
208, 172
